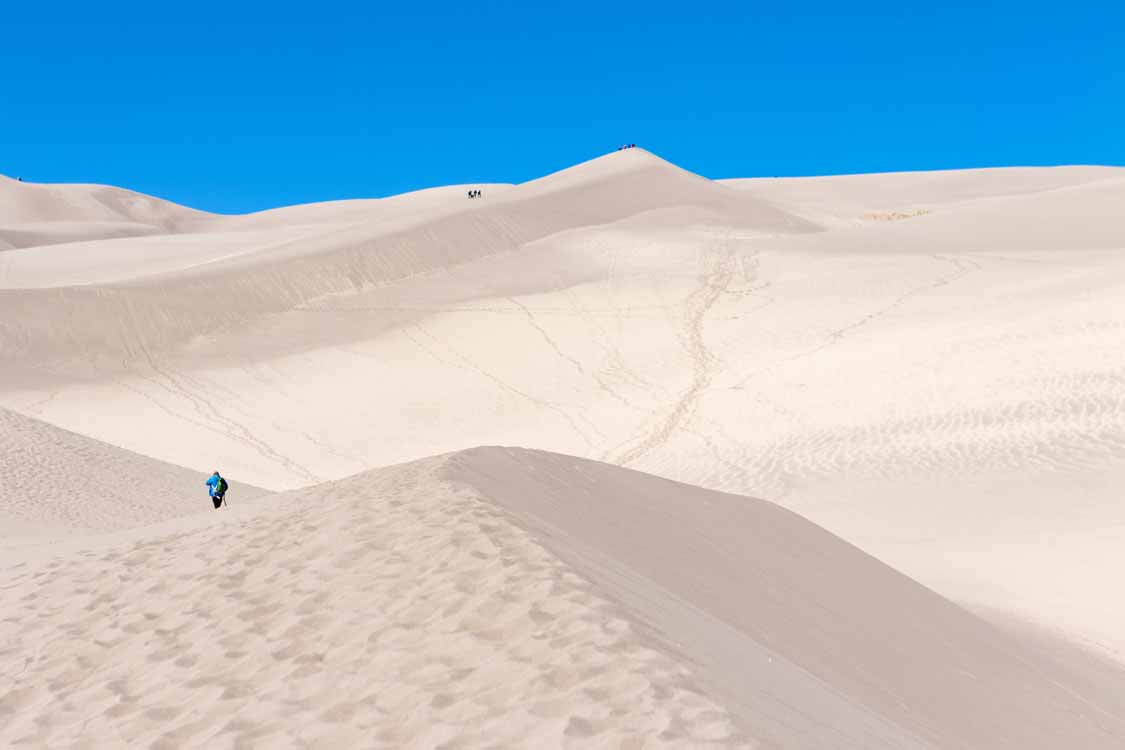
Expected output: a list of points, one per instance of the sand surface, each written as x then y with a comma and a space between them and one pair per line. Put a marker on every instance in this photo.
62, 485
923, 364
514, 598
388, 610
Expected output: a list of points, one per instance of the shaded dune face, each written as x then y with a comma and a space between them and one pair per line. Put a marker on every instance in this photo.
777, 613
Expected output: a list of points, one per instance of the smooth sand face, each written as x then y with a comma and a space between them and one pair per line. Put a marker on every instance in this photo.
864, 198
33, 214
783, 620
923, 364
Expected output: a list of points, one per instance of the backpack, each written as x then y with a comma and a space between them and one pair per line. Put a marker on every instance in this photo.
222, 487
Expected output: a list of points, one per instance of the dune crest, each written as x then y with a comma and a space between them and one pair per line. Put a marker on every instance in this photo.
779, 616
60, 484
386, 610
34, 214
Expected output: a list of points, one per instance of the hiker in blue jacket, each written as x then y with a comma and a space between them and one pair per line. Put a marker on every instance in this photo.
218, 487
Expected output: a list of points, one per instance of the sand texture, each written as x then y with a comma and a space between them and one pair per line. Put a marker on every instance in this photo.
58, 485
918, 373
387, 610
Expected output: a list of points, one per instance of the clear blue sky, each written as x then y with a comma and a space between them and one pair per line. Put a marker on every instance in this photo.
236, 106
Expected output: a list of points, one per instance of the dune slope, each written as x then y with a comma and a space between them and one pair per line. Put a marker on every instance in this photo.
33, 214
862, 198
58, 483
116, 301
512, 598
941, 389
386, 610
811, 642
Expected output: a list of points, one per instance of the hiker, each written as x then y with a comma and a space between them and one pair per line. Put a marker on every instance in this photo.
218, 487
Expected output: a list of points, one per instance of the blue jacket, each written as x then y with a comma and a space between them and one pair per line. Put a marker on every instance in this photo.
213, 483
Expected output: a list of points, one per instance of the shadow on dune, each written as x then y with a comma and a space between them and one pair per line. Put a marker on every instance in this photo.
809, 641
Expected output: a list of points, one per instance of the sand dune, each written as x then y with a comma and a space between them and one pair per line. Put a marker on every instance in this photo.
854, 199
388, 610
274, 274
940, 390
406, 607
922, 364
417, 204
1068, 218
779, 616
60, 484
34, 235
41, 214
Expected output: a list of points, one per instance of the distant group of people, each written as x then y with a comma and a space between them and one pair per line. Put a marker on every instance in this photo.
475, 194
627, 145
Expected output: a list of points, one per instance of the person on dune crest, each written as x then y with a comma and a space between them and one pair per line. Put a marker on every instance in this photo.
218, 487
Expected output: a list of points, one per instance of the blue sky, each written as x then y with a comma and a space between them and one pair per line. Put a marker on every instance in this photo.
241, 106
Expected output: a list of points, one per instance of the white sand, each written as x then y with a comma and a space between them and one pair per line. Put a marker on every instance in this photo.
784, 621
58, 484
39, 214
859, 199
388, 610
403, 608
925, 364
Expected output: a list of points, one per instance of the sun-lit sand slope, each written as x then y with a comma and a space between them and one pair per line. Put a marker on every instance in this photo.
512, 598
59, 484
389, 610
37, 214
862, 198
925, 364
